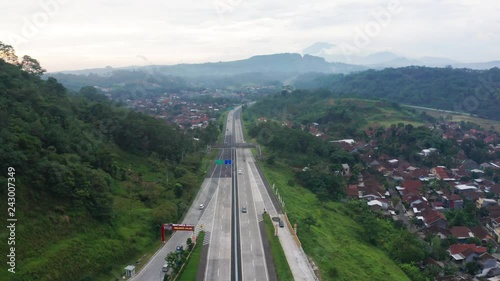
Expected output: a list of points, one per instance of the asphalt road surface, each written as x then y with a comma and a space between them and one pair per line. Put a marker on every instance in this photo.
235, 246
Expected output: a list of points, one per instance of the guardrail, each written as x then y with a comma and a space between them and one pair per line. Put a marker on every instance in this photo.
292, 230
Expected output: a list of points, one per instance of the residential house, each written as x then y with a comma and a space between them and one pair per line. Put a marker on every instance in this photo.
352, 191
412, 186
434, 218
453, 201
487, 261
393, 162
481, 233
465, 189
439, 172
494, 226
464, 253
462, 233
438, 206
346, 170
495, 189
442, 233
484, 202
379, 204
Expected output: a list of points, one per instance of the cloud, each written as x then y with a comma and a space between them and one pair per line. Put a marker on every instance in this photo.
111, 32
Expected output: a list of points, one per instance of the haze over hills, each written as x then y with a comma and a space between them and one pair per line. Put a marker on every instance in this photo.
277, 66
320, 57
334, 53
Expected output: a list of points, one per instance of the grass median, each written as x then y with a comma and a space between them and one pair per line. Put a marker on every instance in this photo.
282, 268
191, 269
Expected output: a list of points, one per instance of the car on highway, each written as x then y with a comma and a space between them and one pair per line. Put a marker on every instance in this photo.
281, 223
244, 209
201, 206
179, 249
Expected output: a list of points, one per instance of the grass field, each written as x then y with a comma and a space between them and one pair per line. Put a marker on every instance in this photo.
279, 258
189, 273
456, 117
332, 241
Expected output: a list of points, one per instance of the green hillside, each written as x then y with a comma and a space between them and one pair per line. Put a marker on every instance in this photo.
339, 117
345, 239
94, 181
474, 92
330, 235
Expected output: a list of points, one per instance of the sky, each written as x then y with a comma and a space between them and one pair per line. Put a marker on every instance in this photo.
70, 34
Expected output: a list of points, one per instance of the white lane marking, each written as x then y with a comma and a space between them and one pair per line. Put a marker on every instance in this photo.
256, 194
212, 227
251, 247
218, 271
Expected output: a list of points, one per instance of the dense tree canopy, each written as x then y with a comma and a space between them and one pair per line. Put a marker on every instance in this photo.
471, 91
73, 154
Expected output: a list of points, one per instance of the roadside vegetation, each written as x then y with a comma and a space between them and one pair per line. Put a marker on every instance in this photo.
339, 235
191, 267
330, 235
94, 180
281, 264
447, 88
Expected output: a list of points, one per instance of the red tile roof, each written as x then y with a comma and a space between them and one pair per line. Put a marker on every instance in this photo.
460, 232
412, 186
480, 232
464, 248
486, 256
441, 172
455, 197
352, 191
433, 216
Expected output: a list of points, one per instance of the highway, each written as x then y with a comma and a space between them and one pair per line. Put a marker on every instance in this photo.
253, 259
235, 244
258, 196
219, 264
215, 194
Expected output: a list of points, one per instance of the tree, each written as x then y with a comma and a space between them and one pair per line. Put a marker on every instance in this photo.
472, 267
438, 251
171, 259
32, 66
412, 271
8, 54
189, 243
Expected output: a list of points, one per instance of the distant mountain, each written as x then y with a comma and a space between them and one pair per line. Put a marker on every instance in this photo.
277, 66
380, 60
268, 70
479, 65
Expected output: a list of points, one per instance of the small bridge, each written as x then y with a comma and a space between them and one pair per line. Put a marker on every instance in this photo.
232, 145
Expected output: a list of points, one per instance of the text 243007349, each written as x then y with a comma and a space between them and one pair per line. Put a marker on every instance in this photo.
11, 219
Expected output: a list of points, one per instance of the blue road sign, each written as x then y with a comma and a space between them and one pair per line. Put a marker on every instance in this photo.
227, 162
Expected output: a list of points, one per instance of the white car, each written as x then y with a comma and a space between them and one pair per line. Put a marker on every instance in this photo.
239, 172
201, 207
165, 267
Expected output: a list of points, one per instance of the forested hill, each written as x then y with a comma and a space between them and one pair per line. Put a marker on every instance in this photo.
92, 183
471, 91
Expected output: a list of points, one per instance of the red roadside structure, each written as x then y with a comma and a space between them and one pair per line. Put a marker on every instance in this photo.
175, 227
